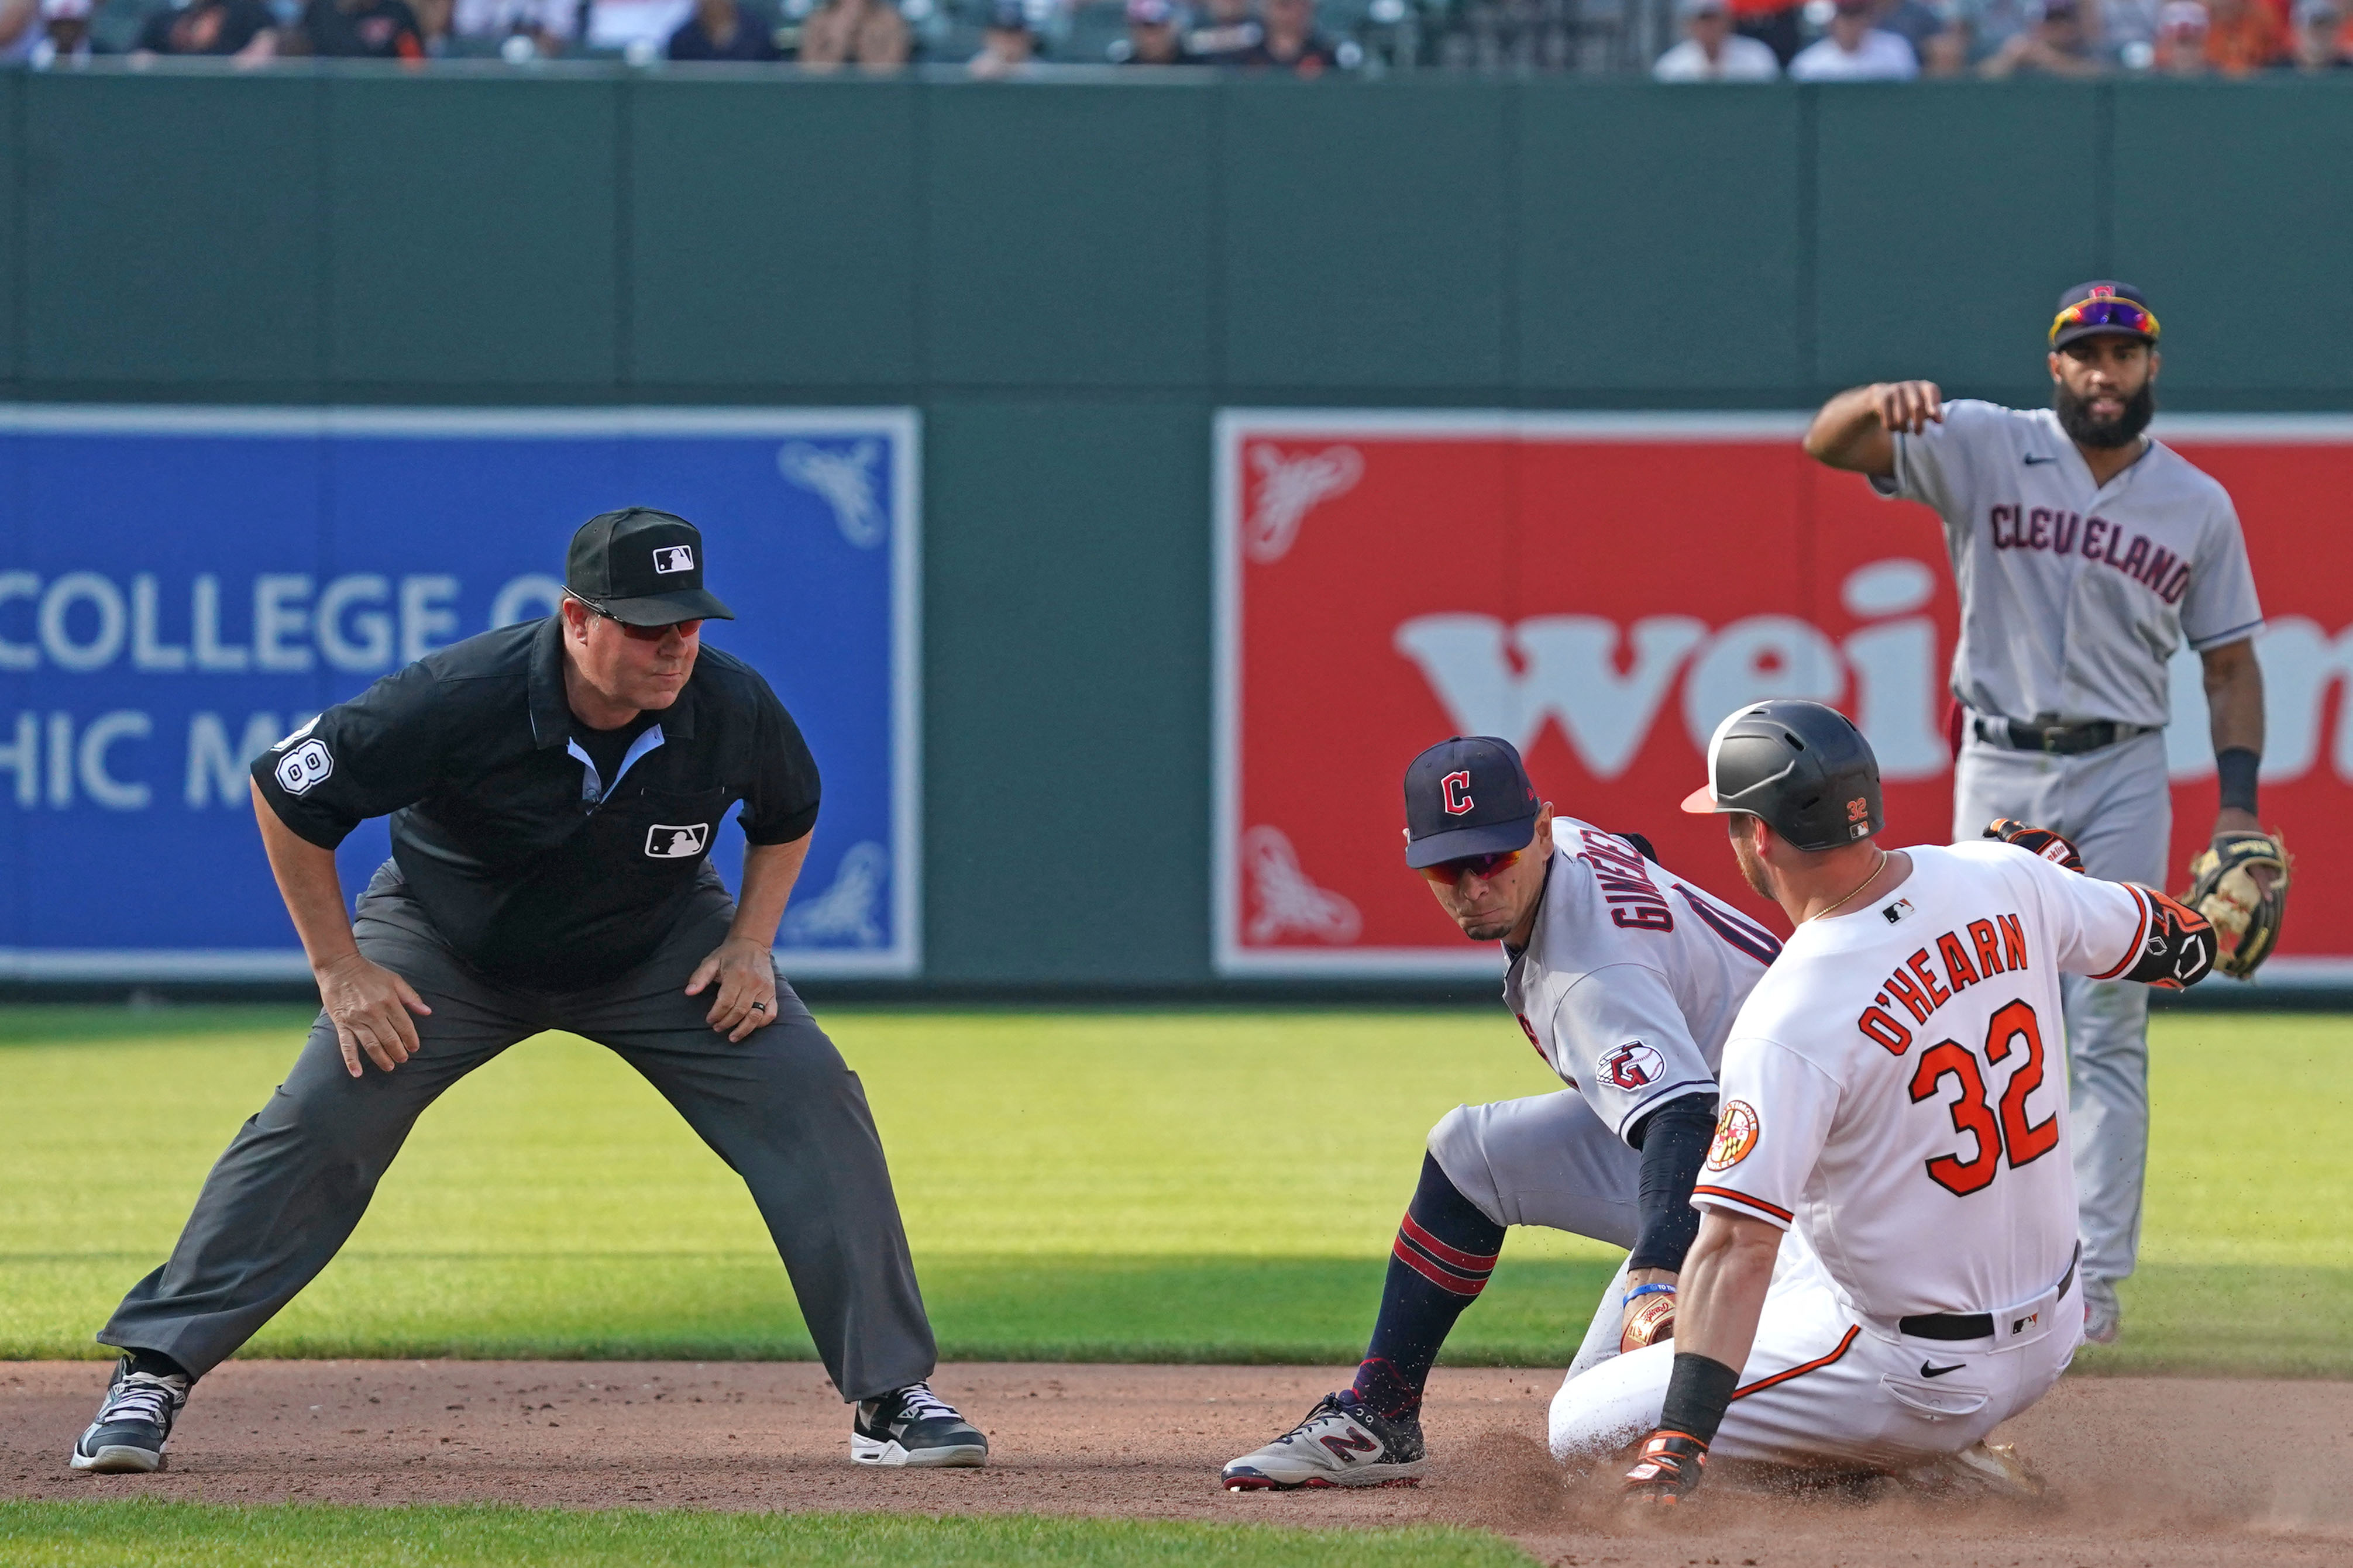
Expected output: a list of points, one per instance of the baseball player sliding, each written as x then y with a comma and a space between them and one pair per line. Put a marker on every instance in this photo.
1888, 1267
2085, 552
1625, 978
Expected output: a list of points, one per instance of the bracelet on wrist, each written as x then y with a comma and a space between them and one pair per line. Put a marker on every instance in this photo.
1641, 1290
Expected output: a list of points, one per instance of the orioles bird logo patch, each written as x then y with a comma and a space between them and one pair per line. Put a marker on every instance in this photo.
1736, 1136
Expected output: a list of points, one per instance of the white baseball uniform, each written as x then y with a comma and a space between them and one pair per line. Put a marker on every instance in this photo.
2073, 597
1888, 1099
1630, 982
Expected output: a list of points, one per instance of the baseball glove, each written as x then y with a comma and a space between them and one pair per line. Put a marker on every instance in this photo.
1651, 1320
2222, 888
2042, 841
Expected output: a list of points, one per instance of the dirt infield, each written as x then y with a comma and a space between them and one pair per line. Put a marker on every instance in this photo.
2145, 1471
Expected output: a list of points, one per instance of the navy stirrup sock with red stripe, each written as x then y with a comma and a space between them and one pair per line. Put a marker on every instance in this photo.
1445, 1249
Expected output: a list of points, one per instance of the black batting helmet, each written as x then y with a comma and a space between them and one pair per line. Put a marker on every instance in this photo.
1801, 766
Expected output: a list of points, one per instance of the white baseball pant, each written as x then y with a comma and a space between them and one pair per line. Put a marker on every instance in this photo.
1826, 1388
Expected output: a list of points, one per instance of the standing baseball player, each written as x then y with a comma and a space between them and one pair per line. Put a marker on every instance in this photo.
1889, 1265
2085, 552
1625, 978
554, 789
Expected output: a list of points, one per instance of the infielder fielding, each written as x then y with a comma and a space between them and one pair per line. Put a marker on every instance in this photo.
2085, 552
554, 788
1889, 1265
1625, 978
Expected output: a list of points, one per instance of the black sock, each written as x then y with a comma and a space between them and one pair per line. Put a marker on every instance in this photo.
155, 1363
1444, 1251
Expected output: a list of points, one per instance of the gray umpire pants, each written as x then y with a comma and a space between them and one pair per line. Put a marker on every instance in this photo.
781, 1108
2117, 806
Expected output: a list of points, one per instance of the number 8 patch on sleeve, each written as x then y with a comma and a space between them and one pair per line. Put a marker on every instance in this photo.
305, 767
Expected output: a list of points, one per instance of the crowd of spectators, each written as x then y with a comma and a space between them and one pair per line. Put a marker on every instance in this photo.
1722, 40
1895, 40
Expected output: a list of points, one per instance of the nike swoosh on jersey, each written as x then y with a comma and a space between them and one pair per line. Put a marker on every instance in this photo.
2034, 458
1927, 1369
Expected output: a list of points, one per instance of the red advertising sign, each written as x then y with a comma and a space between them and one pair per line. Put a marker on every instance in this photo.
1600, 590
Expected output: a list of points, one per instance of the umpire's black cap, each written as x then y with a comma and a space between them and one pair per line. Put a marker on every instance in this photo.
1801, 766
1468, 795
642, 567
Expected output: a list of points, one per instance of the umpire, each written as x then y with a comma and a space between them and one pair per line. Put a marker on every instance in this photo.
554, 788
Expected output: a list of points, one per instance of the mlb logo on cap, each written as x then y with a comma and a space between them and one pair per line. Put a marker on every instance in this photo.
642, 567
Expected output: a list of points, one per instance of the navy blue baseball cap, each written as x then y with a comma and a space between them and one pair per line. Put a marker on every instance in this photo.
1468, 795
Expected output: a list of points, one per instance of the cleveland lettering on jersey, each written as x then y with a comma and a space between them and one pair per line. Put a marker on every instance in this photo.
1635, 901
2015, 527
1920, 985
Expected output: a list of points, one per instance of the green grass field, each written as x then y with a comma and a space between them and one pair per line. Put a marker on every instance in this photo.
185, 1535
1204, 1185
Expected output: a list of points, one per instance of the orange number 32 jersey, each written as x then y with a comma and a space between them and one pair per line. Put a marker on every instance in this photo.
1897, 1084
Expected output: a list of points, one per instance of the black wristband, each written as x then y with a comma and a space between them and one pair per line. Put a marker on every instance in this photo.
2235, 767
1698, 1391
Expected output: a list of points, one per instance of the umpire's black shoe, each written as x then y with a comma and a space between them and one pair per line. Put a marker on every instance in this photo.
135, 1422
916, 1428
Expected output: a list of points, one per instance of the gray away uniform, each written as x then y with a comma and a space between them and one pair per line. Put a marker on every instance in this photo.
1631, 980
2073, 597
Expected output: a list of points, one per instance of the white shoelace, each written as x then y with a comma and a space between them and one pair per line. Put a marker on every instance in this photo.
918, 1403
141, 1397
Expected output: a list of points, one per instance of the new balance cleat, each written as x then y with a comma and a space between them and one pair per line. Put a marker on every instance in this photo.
1341, 1444
915, 1428
135, 1422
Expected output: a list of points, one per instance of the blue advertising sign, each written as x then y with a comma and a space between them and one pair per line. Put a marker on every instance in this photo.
180, 588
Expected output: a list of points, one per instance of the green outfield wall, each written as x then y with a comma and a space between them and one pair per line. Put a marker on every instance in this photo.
1068, 278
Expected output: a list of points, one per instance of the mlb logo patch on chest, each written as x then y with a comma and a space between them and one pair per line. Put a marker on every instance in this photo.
665, 841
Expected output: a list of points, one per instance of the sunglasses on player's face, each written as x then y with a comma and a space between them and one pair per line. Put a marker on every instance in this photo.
647, 633
2122, 314
1447, 873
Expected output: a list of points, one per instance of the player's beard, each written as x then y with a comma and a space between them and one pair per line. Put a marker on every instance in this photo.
1752, 868
1494, 931
2076, 417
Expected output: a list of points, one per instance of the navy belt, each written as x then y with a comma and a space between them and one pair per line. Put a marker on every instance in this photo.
2060, 740
1971, 1325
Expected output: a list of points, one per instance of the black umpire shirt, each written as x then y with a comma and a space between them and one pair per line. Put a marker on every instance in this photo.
530, 865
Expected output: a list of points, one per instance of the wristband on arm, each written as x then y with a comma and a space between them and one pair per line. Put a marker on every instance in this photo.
1699, 1391
2235, 768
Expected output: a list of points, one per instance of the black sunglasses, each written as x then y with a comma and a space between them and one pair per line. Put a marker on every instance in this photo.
643, 634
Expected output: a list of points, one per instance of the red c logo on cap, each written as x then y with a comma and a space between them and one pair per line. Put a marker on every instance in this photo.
1456, 789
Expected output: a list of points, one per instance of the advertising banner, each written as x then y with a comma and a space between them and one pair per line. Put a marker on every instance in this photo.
179, 588
1601, 590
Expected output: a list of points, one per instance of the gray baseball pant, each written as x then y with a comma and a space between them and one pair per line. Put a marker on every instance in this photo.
1548, 1160
781, 1108
2117, 806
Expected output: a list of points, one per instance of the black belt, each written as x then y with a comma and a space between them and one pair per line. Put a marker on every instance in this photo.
2060, 739
1971, 1325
